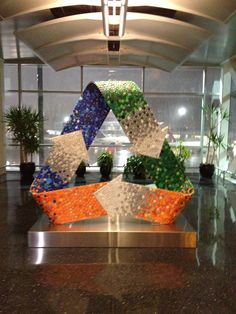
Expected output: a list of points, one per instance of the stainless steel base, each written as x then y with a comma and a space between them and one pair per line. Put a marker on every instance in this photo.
102, 232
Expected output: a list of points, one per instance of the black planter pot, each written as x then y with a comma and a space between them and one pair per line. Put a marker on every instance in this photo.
207, 170
105, 172
81, 170
139, 175
27, 170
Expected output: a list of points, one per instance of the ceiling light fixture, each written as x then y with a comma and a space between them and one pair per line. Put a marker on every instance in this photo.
118, 17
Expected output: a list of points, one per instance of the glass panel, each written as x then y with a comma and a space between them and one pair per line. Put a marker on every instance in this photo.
232, 131
30, 100
43, 153
26, 52
120, 155
233, 82
8, 40
187, 80
119, 74
10, 76
29, 77
11, 99
12, 155
110, 137
110, 133
65, 80
209, 99
213, 77
57, 109
182, 115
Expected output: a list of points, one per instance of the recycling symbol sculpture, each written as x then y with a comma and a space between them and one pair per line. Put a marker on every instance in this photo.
160, 204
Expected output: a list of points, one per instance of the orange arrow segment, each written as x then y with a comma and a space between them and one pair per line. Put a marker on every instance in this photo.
72, 204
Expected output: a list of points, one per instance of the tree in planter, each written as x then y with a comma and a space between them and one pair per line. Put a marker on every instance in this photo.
105, 162
135, 166
214, 116
24, 124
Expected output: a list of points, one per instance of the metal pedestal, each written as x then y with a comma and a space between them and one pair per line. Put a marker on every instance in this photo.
102, 232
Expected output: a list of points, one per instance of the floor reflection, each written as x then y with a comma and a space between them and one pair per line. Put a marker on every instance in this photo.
90, 280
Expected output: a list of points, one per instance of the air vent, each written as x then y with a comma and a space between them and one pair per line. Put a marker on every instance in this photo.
114, 30
113, 45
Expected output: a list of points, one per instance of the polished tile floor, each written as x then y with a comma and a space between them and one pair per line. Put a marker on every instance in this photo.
110, 281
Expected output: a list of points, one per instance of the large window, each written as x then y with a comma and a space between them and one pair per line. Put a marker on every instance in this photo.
57, 108
113, 74
11, 77
66, 80
176, 99
183, 80
29, 78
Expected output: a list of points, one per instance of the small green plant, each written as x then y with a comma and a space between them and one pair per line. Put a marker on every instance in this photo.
135, 166
24, 123
105, 159
214, 115
181, 152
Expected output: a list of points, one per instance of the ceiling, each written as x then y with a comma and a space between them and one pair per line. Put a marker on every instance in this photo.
158, 33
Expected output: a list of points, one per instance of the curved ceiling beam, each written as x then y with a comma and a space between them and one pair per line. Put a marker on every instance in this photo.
165, 62
211, 9
84, 60
59, 50
149, 61
122, 62
164, 48
104, 60
77, 39
89, 26
157, 18
173, 52
78, 54
62, 28
9, 9
216, 10
121, 53
94, 48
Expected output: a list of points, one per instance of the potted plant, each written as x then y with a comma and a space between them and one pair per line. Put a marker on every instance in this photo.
105, 162
214, 116
182, 153
24, 124
135, 166
80, 172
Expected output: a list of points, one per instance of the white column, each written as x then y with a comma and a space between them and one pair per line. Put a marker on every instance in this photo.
226, 89
2, 127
